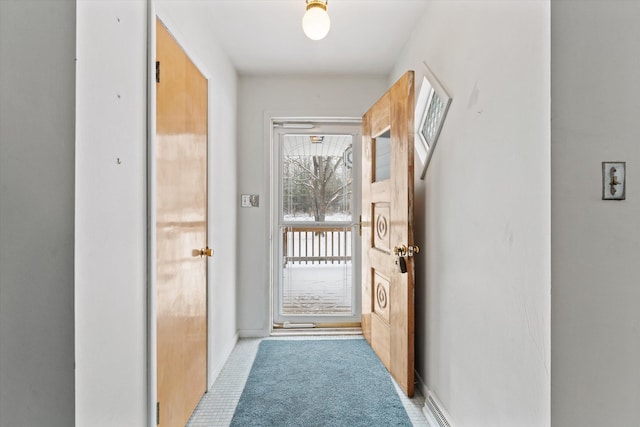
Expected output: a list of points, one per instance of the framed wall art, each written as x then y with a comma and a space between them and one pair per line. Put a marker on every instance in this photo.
431, 111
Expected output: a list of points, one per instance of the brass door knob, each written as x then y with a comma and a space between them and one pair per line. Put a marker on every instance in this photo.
400, 250
206, 252
404, 251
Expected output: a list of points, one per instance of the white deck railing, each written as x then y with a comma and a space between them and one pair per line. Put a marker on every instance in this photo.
316, 244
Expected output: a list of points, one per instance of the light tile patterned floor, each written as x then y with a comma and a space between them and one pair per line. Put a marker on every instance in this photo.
218, 405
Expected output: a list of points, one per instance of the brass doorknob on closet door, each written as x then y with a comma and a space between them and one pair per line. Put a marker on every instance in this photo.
206, 252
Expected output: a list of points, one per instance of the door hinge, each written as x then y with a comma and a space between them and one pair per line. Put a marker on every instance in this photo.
157, 71
360, 225
157, 413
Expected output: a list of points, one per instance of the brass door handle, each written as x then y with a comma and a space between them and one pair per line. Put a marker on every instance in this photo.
404, 251
206, 252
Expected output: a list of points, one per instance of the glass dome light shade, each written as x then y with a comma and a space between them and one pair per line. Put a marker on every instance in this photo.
316, 23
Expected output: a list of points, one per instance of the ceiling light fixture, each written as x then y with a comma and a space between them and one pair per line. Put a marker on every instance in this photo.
316, 22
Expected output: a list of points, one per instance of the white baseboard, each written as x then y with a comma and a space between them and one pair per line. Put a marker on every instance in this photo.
253, 333
420, 384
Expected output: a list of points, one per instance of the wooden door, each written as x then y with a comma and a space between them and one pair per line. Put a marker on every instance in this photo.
181, 229
387, 218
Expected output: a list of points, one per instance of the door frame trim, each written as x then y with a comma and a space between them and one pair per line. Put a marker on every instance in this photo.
151, 326
272, 125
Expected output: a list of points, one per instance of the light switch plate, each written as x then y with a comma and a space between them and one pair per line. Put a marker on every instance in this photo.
613, 180
249, 200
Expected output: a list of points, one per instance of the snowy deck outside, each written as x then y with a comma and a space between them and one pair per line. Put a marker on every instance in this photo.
317, 273
317, 289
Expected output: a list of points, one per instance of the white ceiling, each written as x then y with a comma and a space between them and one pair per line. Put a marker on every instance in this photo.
265, 36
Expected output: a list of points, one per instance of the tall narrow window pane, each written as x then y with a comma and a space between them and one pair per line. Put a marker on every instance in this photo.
383, 157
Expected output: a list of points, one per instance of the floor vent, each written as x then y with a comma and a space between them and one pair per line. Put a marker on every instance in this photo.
435, 412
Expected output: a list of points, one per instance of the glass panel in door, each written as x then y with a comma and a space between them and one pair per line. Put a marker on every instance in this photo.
316, 226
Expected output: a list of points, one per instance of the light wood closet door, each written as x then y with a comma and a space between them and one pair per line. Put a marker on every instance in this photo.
181, 227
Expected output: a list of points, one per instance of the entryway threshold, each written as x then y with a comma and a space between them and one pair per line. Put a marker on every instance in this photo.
283, 332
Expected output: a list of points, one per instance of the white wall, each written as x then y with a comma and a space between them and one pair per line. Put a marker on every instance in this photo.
110, 294
37, 116
111, 223
483, 213
279, 96
595, 244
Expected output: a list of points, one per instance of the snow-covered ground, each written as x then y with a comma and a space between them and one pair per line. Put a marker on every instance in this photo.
317, 289
332, 217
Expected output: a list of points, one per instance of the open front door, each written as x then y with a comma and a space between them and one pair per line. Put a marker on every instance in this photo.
181, 231
387, 232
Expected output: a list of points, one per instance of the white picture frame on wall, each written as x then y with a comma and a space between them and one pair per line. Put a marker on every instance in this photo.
430, 113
